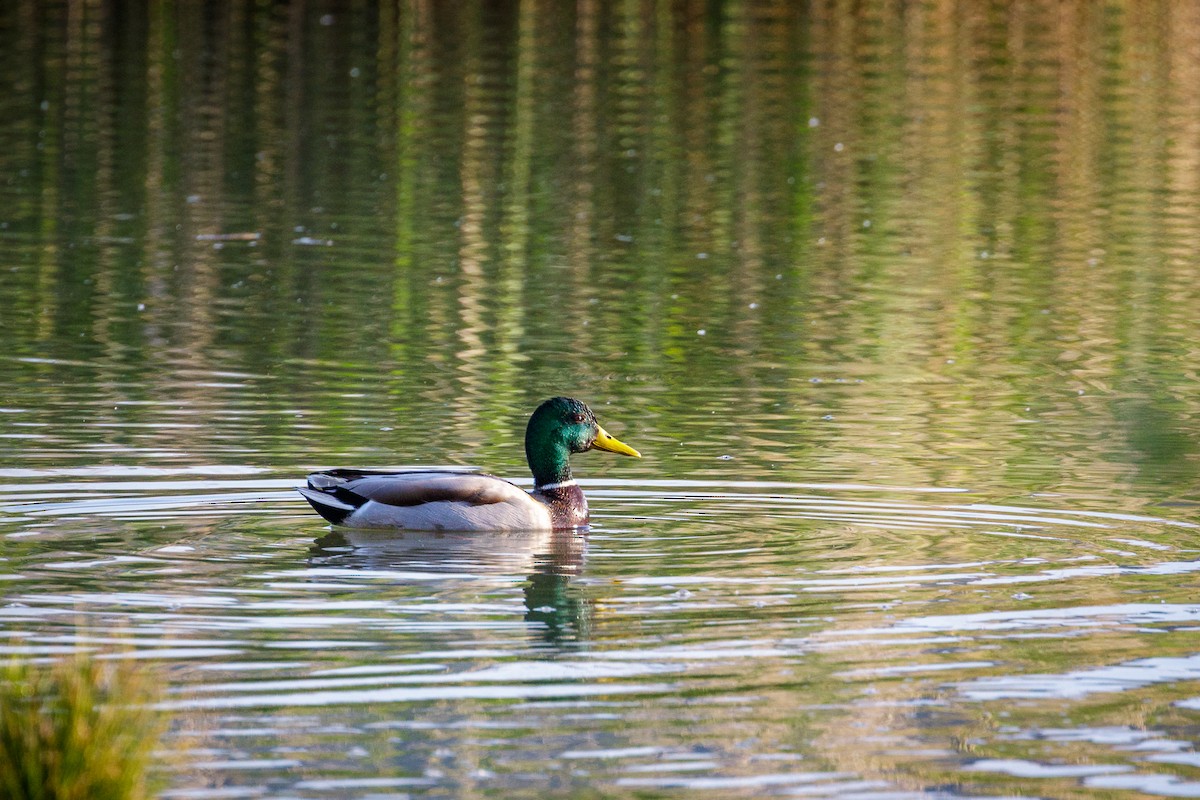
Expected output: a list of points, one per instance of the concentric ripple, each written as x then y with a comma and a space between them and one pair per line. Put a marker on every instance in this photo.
704, 637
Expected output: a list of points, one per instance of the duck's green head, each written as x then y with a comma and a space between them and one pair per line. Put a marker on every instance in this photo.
561, 426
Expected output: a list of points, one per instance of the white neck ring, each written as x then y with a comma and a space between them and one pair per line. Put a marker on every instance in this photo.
547, 487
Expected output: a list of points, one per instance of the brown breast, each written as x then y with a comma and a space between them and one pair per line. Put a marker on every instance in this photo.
568, 506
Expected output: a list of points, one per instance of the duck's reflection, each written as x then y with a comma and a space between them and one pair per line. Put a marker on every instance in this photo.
551, 599
548, 559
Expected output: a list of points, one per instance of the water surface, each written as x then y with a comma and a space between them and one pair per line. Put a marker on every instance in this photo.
898, 302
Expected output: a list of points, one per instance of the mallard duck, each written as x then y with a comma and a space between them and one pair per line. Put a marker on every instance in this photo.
431, 500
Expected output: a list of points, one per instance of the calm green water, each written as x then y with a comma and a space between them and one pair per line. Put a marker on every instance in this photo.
898, 300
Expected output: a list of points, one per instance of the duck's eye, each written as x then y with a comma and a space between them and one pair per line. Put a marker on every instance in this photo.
579, 418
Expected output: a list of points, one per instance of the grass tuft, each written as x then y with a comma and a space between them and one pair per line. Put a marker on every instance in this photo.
78, 729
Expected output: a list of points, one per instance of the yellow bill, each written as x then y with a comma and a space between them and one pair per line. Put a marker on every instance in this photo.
606, 441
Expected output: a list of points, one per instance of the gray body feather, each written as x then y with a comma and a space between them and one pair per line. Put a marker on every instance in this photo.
425, 501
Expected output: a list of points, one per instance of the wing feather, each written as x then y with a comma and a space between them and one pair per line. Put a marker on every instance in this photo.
417, 488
